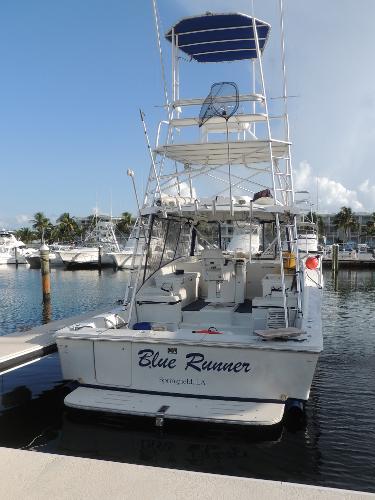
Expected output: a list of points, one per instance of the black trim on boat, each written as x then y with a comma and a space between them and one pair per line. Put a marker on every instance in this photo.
180, 395
197, 305
142, 302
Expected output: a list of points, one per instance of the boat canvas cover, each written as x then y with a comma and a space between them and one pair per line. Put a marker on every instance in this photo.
219, 37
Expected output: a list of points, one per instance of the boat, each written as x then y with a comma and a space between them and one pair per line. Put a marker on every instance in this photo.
33, 259
132, 255
307, 237
97, 248
245, 239
210, 335
12, 250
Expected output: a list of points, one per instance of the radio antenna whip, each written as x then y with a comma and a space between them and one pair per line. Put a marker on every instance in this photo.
157, 22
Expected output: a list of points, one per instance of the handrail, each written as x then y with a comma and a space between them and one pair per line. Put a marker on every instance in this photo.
200, 100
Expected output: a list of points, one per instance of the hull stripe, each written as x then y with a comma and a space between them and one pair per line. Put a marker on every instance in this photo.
180, 395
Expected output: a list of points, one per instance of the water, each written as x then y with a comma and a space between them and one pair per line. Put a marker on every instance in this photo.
336, 446
73, 292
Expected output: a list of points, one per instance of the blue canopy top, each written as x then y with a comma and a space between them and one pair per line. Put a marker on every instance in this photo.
219, 37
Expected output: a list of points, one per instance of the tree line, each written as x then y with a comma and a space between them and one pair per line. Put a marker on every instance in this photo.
66, 229
346, 220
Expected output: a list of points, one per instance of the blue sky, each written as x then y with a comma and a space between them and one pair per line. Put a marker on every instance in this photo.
74, 74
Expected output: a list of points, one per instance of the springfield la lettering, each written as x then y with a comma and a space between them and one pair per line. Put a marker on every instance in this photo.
193, 361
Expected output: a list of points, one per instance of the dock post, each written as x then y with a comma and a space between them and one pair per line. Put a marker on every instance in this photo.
335, 258
99, 257
16, 255
44, 266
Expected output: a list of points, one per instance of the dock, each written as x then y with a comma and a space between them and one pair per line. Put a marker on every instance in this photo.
21, 348
34, 475
351, 263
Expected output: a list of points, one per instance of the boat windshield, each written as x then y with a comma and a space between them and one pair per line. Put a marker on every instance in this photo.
168, 239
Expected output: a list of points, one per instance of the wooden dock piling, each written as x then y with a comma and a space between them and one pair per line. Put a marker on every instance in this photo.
335, 258
99, 257
16, 255
44, 266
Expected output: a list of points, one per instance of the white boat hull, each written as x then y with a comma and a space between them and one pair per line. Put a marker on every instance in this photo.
10, 258
308, 245
236, 385
239, 372
84, 257
124, 260
34, 261
138, 372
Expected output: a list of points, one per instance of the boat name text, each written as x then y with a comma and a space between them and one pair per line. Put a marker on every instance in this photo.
193, 361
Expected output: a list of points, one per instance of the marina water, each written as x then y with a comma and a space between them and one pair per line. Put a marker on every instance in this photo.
335, 447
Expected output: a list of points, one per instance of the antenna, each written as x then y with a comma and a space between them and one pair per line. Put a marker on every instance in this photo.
157, 21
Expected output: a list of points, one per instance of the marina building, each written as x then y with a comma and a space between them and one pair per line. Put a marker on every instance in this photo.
359, 234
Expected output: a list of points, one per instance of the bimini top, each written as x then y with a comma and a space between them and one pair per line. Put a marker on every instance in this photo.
219, 37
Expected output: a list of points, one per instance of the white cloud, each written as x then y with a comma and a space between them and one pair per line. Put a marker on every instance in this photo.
333, 194
15, 222
23, 219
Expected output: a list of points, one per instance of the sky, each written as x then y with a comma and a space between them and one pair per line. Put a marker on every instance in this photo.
75, 73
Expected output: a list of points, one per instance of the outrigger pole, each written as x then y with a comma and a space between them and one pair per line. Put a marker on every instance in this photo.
150, 152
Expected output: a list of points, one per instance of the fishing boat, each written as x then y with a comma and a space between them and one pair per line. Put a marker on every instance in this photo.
210, 335
245, 238
132, 255
307, 237
98, 244
54, 259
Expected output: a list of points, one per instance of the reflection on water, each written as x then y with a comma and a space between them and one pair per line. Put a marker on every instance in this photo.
72, 292
336, 447
46, 312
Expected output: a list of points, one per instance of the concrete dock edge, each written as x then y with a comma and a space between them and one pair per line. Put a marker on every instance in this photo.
34, 475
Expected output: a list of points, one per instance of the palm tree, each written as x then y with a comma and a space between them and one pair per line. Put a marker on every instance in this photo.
345, 220
42, 226
25, 234
66, 228
125, 224
370, 227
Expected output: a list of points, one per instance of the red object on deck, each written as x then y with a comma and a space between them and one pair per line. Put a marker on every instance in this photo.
312, 262
209, 331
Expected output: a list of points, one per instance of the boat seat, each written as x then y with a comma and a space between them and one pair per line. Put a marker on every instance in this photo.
225, 277
163, 301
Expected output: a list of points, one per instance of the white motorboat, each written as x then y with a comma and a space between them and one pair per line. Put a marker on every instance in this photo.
33, 259
99, 244
12, 250
132, 255
245, 240
209, 335
307, 237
